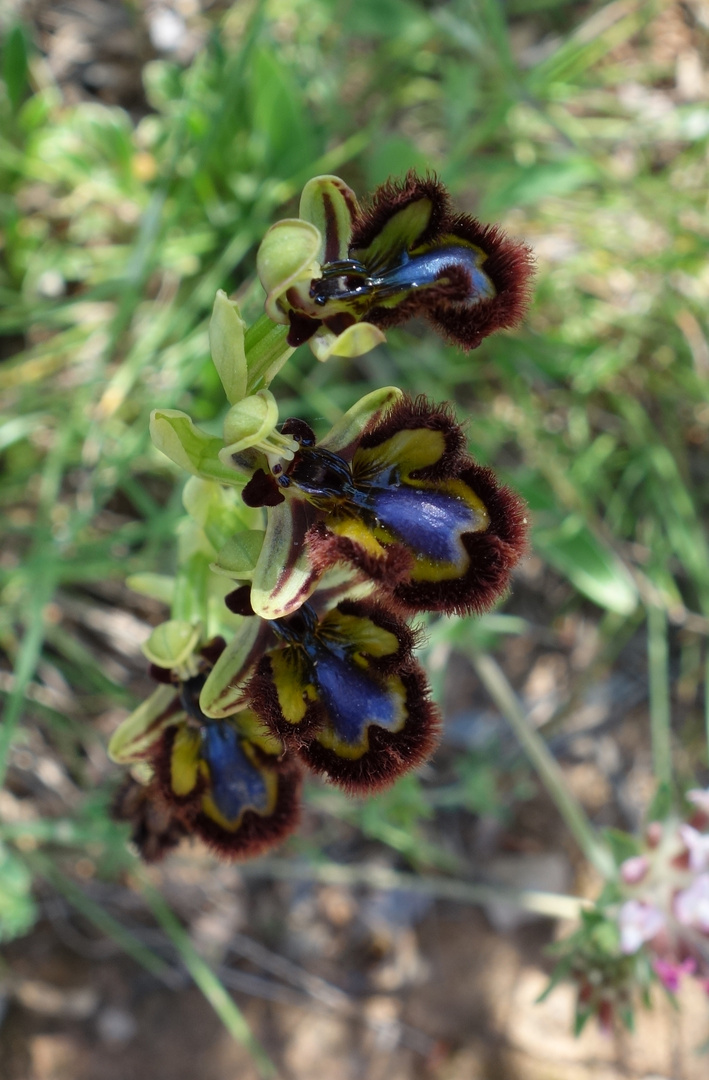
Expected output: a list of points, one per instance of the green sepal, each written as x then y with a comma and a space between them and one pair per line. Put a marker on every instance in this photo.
223, 692
176, 436
226, 344
349, 427
135, 738
331, 206
267, 350
289, 253
191, 597
218, 511
283, 577
172, 643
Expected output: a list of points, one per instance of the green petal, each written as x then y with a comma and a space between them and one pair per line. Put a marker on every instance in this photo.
356, 340
226, 344
250, 422
348, 428
222, 693
329, 204
172, 643
174, 434
400, 234
288, 254
138, 734
283, 577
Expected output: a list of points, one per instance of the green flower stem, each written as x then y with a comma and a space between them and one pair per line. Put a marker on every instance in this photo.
658, 659
213, 989
499, 689
266, 352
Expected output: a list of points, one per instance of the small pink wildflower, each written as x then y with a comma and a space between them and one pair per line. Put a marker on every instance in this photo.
638, 923
697, 844
634, 869
692, 904
670, 972
700, 799
653, 834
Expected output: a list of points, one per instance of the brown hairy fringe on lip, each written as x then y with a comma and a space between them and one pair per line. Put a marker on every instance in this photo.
493, 555
325, 549
396, 195
156, 829
262, 697
390, 754
256, 832
509, 264
409, 414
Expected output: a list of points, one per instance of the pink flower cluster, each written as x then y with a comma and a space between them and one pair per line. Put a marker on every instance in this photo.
667, 890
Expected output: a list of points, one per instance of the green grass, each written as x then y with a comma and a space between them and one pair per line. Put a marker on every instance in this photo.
117, 233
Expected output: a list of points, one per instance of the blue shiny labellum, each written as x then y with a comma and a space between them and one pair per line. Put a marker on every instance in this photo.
417, 270
428, 522
236, 783
352, 698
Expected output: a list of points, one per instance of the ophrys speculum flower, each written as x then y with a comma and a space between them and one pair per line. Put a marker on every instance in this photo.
341, 689
401, 502
228, 780
340, 268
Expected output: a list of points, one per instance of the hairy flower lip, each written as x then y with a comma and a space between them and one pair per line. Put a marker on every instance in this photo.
225, 780
254, 831
296, 690
155, 828
508, 264
404, 505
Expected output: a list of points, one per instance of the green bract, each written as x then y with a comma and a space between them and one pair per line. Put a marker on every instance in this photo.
172, 644
226, 343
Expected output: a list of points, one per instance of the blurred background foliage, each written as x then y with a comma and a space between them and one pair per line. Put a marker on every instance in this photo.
141, 163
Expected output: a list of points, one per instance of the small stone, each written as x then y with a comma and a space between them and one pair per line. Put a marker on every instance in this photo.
116, 1026
41, 997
